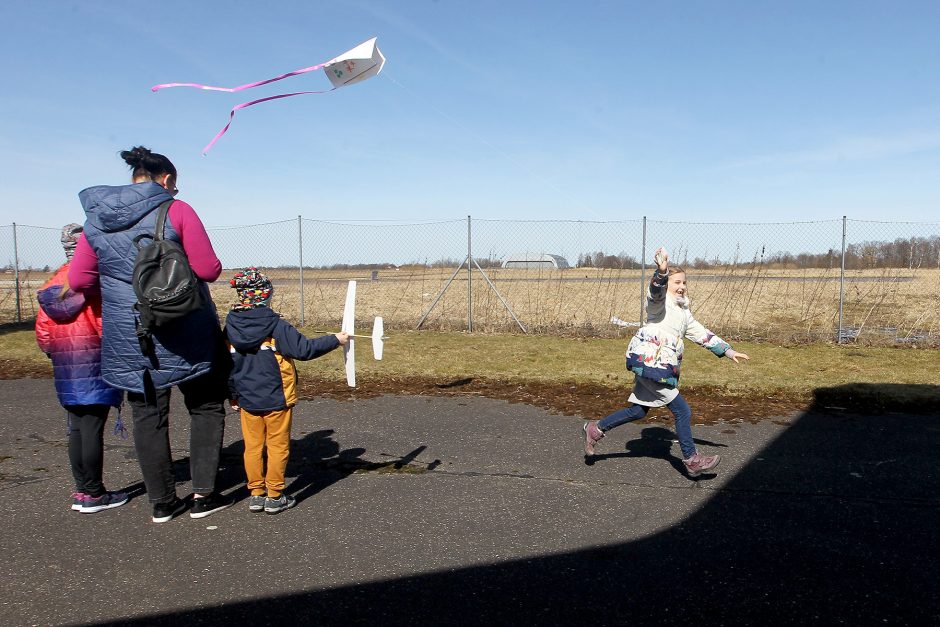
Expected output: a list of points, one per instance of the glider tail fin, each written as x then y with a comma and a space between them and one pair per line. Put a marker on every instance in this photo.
378, 339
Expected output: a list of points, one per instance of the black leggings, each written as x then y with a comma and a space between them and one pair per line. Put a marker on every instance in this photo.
203, 397
86, 446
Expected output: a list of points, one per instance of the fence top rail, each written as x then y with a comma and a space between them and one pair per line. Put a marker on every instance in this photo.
893, 222
384, 222
793, 223
32, 226
244, 226
638, 221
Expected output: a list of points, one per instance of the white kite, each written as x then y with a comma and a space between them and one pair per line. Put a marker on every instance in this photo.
362, 62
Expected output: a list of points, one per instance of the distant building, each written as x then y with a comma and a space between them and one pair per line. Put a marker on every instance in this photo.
535, 260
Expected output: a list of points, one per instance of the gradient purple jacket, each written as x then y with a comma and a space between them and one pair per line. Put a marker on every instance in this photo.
68, 330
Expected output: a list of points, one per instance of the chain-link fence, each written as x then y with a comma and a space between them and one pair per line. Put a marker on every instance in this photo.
843, 280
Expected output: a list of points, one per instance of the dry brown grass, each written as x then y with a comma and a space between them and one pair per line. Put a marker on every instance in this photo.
777, 306
769, 305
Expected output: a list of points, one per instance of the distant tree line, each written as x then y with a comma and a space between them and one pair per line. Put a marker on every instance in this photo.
914, 252
602, 260
911, 253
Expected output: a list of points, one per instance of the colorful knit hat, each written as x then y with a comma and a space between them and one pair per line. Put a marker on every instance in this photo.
70, 234
253, 288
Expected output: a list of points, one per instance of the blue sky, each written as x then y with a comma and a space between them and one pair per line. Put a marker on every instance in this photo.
743, 111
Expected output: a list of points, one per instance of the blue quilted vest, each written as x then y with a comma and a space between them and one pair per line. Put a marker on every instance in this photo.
183, 349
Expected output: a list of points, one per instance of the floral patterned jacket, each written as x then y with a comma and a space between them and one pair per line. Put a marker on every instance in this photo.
655, 352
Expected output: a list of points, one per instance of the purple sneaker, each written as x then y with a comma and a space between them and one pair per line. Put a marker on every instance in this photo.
78, 499
592, 435
697, 464
107, 500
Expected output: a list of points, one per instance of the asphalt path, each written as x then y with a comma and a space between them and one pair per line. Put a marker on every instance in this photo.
467, 511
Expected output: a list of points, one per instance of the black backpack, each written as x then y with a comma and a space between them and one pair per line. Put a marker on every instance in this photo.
164, 283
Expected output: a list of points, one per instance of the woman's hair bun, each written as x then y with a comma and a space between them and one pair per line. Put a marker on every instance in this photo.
136, 156
143, 162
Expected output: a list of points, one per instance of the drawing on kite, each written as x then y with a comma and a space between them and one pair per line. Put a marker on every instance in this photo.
349, 65
362, 62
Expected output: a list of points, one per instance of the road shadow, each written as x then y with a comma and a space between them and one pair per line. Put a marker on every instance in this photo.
877, 398
316, 462
832, 522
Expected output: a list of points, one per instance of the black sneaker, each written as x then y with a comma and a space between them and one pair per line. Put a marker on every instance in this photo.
164, 512
274, 506
209, 504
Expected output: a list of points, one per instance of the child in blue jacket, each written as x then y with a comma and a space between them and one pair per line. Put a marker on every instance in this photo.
68, 330
264, 384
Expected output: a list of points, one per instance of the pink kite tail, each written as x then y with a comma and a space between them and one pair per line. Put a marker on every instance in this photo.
241, 87
244, 105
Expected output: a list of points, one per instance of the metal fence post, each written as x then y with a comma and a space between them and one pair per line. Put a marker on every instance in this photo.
469, 278
300, 257
16, 276
841, 284
643, 273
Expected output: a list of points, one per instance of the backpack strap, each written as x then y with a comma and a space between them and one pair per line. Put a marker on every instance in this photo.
160, 230
142, 323
162, 212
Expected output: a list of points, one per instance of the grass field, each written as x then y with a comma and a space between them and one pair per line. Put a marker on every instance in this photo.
550, 359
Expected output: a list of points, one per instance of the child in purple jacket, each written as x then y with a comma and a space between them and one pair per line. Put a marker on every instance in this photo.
68, 330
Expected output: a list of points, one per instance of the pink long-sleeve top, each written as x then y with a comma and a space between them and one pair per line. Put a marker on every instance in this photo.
83, 274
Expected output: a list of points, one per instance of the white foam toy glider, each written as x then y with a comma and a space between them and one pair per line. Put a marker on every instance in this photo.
349, 326
661, 256
623, 323
353, 66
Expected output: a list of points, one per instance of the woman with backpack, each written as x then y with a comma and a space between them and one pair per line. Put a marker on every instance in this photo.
187, 353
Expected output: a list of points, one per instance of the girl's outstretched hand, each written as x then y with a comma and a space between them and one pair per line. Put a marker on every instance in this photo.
734, 356
661, 259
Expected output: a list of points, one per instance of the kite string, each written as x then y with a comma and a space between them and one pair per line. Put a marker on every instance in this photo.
244, 105
245, 86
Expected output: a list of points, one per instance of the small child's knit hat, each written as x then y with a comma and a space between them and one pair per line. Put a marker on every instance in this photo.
253, 288
70, 234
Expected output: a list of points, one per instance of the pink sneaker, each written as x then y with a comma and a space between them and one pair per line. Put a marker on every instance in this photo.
78, 500
697, 464
592, 435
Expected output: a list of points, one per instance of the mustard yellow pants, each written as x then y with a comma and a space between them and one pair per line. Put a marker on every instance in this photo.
271, 431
